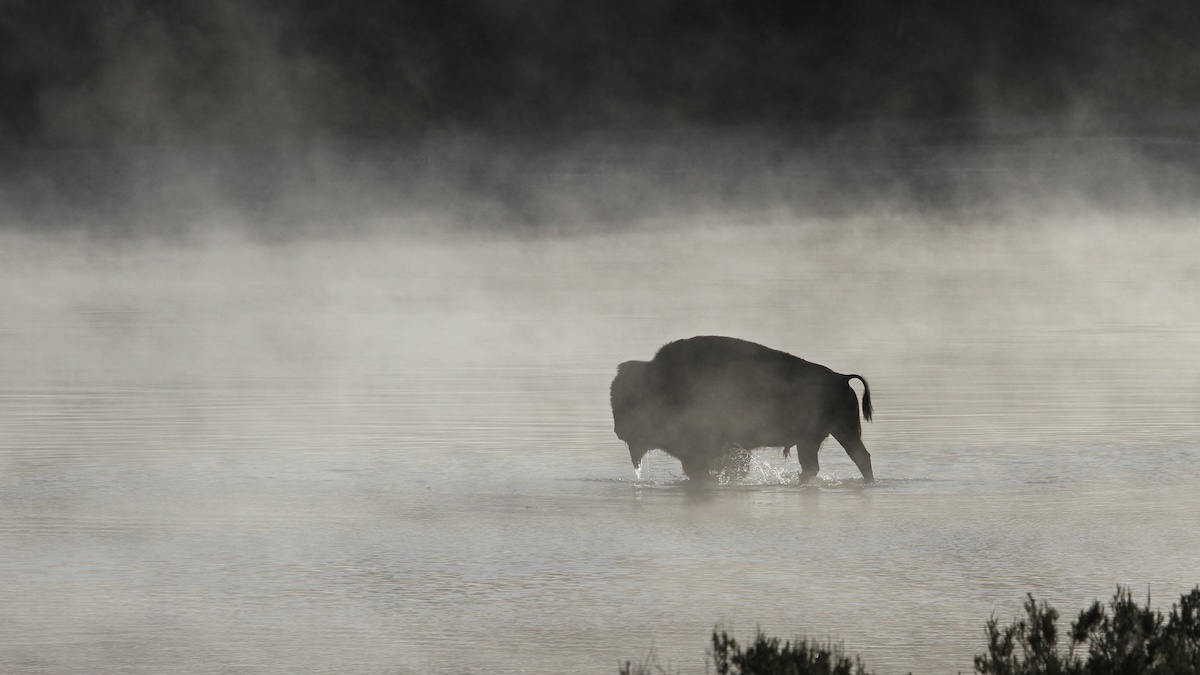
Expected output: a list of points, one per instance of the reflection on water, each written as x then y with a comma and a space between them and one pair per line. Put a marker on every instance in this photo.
397, 455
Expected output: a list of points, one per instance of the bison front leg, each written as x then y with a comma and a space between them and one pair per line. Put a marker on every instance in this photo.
858, 452
698, 469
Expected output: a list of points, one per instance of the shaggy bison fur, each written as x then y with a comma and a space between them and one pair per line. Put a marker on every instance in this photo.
709, 400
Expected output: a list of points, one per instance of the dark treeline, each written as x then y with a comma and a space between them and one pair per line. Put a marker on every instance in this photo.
76, 71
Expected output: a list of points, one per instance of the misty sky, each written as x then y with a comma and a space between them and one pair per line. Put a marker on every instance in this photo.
138, 71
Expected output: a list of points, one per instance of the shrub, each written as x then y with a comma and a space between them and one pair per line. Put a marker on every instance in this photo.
767, 657
1122, 638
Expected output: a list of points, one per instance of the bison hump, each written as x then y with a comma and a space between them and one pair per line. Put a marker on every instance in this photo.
723, 367
717, 353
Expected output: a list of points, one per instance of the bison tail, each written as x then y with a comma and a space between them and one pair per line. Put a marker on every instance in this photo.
866, 401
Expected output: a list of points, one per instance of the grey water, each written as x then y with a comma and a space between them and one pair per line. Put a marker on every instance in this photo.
384, 453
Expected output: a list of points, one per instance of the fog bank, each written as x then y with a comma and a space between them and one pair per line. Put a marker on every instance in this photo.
574, 184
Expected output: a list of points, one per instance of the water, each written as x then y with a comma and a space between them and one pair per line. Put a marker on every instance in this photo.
389, 454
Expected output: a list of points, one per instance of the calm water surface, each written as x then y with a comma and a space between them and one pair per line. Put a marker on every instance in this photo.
396, 455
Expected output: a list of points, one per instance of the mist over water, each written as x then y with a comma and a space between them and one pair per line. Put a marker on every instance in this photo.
236, 446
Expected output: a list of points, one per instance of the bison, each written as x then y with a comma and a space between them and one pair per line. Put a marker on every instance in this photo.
702, 397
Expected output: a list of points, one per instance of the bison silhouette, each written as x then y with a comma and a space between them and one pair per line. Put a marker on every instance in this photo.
709, 400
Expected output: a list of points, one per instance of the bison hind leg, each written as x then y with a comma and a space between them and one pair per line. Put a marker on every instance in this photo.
806, 452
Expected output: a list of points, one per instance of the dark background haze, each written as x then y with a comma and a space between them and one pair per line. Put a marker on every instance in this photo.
297, 117
74, 72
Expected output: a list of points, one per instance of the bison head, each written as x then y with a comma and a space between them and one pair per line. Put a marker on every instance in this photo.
633, 405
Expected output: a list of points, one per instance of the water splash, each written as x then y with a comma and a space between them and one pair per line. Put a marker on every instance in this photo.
761, 471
